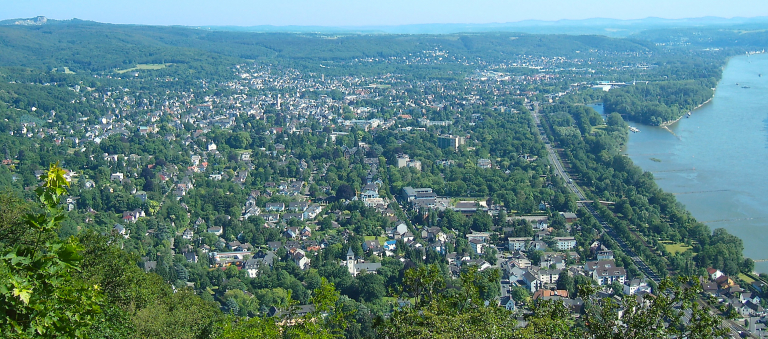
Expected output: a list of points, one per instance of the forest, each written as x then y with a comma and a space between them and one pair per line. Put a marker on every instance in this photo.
659, 102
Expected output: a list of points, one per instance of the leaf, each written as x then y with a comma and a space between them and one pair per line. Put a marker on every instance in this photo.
23, 294
69, 254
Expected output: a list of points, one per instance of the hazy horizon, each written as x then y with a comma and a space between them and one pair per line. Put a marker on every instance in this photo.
347, 13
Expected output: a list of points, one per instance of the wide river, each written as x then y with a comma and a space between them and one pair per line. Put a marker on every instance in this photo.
716, 161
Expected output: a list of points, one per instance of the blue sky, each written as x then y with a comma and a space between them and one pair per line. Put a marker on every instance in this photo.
368, 12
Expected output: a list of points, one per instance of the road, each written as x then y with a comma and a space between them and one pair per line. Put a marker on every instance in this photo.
554, 158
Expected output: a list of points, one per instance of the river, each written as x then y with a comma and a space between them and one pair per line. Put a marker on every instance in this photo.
716, 161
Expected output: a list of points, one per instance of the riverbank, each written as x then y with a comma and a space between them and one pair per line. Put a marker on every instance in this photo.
714, 164
667, 123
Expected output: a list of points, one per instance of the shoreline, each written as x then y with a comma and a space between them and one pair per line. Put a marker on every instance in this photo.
665, 125
759, 267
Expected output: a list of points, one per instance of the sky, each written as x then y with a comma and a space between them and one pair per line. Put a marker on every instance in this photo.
368, 12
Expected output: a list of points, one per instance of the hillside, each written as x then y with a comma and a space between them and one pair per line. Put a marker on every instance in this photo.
90, 46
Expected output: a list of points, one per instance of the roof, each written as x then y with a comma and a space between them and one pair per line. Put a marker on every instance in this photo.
611, 272
373, 266
466, 205
549, 293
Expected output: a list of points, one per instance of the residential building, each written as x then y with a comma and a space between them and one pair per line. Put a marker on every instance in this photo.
275, 206
636, 286
484, 163
606, 272
507, 302
518, 244
565, 243
450, 141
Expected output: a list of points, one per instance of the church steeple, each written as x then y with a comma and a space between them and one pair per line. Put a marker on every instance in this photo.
351, 261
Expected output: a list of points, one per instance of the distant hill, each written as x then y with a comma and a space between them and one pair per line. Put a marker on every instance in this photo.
86, 45
91, 46
600, 26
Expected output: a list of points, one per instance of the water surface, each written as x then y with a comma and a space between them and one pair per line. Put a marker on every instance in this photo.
716, 161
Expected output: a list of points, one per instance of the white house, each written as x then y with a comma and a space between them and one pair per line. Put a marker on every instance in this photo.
217, 230
605, 272
636, 286
117, 177
508, 303
477, 245
565, 243
517, 244
714, 273
312, 211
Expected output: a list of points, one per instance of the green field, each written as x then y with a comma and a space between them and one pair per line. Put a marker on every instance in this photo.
674, 248
143, 67
746, 278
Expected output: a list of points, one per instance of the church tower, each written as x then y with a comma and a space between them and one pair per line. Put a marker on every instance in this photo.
351, 261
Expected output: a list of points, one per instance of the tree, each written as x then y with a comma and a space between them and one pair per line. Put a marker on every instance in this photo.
239, 140
370, 287
565, 282
232, 306
482, 222
655, 317
520, 294
345, 191
535, 256
40, 295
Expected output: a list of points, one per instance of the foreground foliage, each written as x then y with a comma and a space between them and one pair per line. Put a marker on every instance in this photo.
40, 294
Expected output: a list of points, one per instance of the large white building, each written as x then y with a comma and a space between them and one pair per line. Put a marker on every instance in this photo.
565, 243
605, 272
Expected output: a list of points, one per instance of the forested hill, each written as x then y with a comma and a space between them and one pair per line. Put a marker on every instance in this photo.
90, 46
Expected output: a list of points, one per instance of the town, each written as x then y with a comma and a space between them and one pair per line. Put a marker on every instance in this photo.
250, 188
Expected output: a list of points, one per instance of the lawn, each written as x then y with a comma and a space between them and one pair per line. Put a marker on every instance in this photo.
143, 67
746, 278
674, 248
